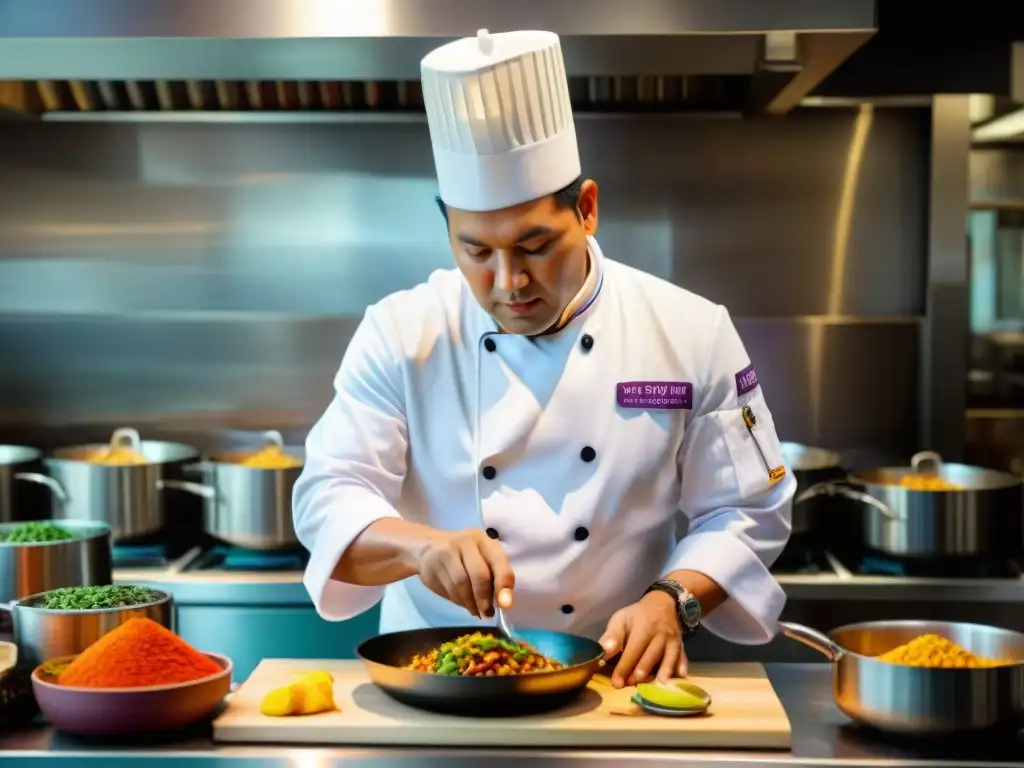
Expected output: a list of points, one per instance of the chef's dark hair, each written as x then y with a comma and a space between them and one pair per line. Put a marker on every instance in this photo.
567, 197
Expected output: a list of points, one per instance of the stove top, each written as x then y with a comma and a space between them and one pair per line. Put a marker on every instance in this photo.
141, 556
969, 568
800, 558
227, 558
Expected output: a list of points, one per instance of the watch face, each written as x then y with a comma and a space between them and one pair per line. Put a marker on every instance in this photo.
691, 610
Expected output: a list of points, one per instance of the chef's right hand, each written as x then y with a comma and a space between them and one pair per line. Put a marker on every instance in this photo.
468, 568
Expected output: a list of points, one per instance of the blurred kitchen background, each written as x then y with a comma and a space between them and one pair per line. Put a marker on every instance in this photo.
196, 207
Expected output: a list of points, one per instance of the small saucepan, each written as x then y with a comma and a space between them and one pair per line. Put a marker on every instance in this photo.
248, 493
935, 510
922, 701
811, 467
114, 483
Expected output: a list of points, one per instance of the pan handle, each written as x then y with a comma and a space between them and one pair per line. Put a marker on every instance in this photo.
197, 489
812, 638
839, 489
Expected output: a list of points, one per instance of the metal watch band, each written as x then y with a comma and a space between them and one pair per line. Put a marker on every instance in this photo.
687, 606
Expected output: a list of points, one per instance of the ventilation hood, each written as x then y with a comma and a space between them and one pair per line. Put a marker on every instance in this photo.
150, 58
1001, 120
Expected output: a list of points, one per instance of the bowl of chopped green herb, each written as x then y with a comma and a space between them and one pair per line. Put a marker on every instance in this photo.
40, 555
66, 621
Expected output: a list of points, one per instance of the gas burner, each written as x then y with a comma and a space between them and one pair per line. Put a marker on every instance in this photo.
140, 556
953, 568
801, 558
225, 558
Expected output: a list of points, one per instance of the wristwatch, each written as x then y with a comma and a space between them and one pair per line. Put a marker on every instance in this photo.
687, 606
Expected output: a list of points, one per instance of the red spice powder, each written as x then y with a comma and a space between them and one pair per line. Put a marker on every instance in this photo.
138, 653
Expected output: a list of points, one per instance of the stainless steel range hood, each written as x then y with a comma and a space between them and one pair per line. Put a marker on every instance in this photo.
756, 55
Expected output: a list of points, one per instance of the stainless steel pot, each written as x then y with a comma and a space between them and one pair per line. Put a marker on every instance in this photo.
125, 496
983, 518
810, 466
42, 634
920, 700
246, 506
19, 462
26, 569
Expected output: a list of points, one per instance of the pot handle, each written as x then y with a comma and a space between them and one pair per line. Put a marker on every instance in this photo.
198, 489
126, 436
812, 638
926, 457
55, 488
840, 489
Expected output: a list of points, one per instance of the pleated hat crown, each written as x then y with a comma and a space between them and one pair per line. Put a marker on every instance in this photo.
500, 119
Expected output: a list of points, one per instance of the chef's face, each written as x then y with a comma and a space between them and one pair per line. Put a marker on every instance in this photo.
526, 263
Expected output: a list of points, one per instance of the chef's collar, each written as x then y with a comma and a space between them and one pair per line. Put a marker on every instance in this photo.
586, 296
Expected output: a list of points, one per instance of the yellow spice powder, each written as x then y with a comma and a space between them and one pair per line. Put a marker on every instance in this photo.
934, 651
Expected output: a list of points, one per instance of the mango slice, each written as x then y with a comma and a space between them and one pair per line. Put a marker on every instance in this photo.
310, 694
674, 695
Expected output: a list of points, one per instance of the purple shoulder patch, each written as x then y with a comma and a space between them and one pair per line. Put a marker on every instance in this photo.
665, 395
746, 381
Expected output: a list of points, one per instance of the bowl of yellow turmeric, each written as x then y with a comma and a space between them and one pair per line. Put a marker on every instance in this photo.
138, 678
923, 677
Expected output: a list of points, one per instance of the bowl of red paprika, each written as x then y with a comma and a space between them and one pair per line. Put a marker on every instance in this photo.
139, 678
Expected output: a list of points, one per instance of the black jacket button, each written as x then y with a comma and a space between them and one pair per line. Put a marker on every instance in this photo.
492, 533
581, 534
489, 344
588, 454
587, 342
489, 472
567, 609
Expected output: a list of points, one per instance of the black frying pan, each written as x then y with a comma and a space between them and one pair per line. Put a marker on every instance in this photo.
385, 655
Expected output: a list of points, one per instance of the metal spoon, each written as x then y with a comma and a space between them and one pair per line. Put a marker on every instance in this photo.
506, 625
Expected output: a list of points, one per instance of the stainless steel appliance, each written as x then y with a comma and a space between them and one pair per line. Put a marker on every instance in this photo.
247, 506
42, 634
980, 515
810, 466
237, 56
126, 496
17, 463
30, 568
922, 700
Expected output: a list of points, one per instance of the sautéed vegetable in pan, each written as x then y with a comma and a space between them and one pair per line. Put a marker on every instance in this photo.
560, 666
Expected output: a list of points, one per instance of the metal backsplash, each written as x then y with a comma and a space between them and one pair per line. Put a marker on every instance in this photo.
192, 277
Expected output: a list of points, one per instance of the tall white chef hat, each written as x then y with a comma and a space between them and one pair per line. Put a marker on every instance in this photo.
500, 119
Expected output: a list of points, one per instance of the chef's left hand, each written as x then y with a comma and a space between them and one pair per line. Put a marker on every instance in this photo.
650, 639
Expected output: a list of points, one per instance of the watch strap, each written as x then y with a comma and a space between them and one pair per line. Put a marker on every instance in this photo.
688, 610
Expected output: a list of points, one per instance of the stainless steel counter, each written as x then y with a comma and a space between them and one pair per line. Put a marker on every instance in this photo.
821, 737
255, 615
286, 588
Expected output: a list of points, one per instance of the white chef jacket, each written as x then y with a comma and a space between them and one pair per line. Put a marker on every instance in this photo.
563, 447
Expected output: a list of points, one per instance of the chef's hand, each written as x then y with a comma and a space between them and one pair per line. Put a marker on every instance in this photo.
648, 635
468, 568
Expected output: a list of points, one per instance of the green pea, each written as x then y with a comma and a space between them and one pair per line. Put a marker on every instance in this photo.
451, 668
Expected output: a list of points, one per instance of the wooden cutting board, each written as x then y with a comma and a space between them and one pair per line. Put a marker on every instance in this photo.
745, 714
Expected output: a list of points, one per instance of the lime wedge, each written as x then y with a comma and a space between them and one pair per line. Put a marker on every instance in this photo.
675, 695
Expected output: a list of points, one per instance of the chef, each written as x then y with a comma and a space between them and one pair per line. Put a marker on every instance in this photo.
543, 428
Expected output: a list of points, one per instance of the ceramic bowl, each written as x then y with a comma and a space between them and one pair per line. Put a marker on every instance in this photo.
121, 711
